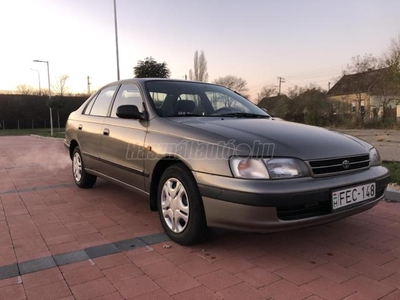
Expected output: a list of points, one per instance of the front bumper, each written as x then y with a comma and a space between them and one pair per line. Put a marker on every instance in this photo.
273, 205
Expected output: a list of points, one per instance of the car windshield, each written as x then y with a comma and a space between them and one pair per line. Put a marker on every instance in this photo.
180, 98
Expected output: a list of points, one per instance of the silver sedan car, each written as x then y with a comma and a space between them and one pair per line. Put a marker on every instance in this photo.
205, 156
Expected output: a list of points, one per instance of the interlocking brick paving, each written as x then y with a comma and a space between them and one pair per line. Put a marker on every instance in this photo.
104, 243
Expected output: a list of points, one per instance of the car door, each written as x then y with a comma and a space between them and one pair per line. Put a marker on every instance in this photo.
90, 127
122, 142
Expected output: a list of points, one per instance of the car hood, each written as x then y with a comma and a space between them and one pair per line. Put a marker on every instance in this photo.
266, 137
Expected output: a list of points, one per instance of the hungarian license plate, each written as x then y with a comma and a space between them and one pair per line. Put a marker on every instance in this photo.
349, 196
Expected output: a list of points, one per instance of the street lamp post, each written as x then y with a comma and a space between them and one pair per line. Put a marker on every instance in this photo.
48, 77
38, 79
116, 37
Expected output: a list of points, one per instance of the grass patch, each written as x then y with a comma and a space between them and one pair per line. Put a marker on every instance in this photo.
37, 131
394, 168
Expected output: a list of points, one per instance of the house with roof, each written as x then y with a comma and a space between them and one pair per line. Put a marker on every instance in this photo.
372, 93
273, 104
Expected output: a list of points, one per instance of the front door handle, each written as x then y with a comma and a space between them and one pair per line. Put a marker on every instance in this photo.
80, 127
106, 131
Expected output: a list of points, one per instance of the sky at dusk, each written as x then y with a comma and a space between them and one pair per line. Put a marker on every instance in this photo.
303, 41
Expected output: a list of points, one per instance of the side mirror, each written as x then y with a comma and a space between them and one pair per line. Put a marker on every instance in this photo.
130, 112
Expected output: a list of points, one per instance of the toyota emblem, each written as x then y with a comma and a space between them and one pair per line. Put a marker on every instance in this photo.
346, 164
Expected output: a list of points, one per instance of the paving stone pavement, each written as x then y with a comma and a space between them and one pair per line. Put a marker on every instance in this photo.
61, 242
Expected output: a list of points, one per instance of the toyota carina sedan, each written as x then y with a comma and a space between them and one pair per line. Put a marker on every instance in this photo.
207, 157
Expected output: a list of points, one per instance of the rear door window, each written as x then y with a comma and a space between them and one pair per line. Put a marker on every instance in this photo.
103, 101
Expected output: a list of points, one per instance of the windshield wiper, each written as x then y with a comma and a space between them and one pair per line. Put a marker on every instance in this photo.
242, 115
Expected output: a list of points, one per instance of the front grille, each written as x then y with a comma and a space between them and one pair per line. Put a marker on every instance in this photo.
332, 166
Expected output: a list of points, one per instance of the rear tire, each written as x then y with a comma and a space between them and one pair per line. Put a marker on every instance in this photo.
81, 177
180, 206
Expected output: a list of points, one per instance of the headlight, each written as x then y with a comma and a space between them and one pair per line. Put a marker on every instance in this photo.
286, 168
374, 158
275, 168
249, 168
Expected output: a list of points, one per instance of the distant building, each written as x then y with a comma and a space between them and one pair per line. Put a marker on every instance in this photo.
270, 104
373, 93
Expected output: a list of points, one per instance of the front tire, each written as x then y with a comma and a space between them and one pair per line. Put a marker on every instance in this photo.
180, 206
81, 178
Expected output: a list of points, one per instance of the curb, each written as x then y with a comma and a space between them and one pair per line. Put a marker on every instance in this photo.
392, 195
46, 137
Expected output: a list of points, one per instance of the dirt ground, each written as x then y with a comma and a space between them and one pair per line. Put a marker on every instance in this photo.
386, 141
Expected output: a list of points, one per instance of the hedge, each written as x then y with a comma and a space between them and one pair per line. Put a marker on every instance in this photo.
30, 111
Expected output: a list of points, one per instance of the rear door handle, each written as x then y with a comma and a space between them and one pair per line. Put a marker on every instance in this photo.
106, 131
80, 127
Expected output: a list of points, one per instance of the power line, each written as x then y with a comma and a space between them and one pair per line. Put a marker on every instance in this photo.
312, 71
315, 76
304, 76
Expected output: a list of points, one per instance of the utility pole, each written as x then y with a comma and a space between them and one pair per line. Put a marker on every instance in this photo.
281, 80
88, 85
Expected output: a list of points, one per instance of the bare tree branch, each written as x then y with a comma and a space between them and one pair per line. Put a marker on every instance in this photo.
59, 87
268, 91
24, 89
234, 83
361, 64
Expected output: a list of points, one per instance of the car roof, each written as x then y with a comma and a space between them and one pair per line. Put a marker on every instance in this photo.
143, 80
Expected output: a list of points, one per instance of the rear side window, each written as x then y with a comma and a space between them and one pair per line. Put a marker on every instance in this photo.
90, 105
103, 101
128, 94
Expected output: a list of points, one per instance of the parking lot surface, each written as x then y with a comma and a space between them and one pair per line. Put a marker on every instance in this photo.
61, 242
387, 141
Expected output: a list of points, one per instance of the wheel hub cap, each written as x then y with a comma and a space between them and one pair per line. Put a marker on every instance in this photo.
77, 167
175, 205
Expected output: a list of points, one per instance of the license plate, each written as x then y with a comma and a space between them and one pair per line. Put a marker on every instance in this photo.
346, 197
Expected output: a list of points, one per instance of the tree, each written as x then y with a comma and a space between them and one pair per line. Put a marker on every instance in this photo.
388, 88
361, 64
150, 68
391, 57
236, 84
233, 83
267, 91
200, 68
392, 62
59, 87
313, 105
296, 90
24, 89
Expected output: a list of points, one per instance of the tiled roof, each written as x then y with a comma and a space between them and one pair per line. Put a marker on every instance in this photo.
271, 101
356, 83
